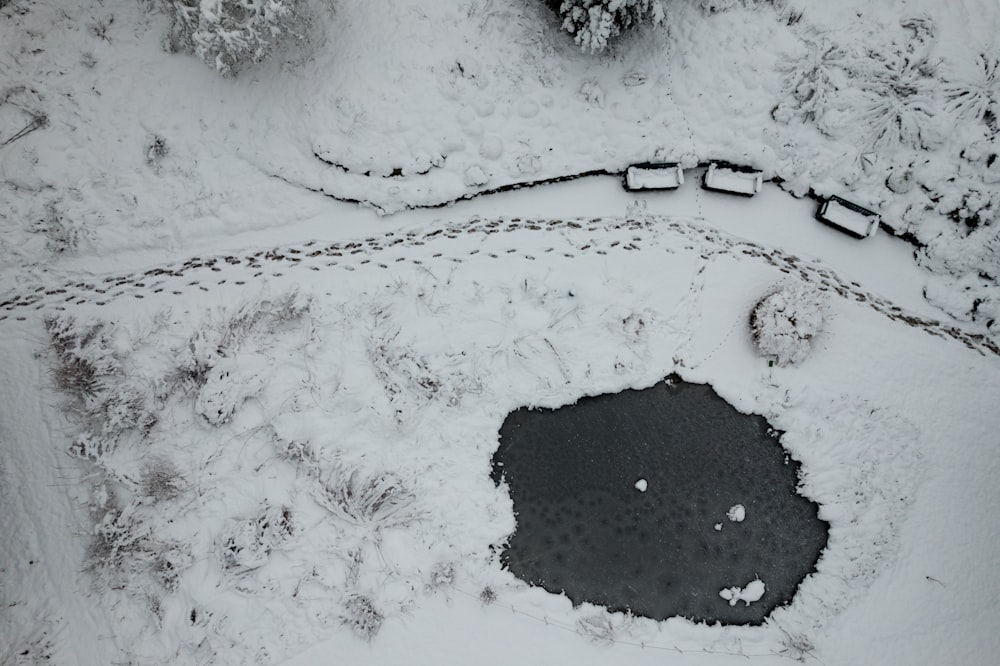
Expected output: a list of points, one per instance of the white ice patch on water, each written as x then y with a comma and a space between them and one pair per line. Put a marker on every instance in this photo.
641, 485
753, 591
737, 513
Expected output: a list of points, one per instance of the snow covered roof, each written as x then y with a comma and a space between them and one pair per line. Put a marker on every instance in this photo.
848, 217
652, 176
735, 179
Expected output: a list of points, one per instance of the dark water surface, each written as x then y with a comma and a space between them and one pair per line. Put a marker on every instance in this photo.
584, 529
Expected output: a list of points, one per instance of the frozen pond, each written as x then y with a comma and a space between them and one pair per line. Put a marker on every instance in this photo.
665, 501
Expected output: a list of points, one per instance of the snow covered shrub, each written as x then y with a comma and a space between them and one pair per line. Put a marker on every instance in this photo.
812, 82
362, 617
105, 403
487, 596
797, 646
170, 563
379, 499
156, 150
62, 234
603, 627
82, 354
980, 207
247, 544
227, 331
296, 452
123, 550
899, 101
161, 481
594, 22
38, 646
974, 91
716, 6
442, 575
968, 298
232, 34
475, 176
408, 376
784, 323
228, 384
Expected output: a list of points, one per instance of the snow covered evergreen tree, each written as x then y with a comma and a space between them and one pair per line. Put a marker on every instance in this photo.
232, 34
594, 22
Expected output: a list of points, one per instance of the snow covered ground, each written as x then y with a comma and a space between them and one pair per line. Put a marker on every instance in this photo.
280, 408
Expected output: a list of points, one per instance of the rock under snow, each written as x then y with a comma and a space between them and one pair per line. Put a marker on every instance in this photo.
641, 485
737, 513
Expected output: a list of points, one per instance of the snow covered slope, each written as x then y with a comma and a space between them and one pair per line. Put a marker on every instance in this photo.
262, 429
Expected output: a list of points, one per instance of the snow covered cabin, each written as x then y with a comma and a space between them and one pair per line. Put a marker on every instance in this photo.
654, 176
733, 178
848, 217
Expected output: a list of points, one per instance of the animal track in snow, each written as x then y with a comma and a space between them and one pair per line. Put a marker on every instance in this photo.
619, 234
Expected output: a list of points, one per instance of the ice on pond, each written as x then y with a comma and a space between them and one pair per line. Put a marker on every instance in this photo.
753, 591
625, 501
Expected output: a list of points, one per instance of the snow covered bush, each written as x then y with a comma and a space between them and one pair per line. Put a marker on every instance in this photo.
716, 6
594, 22
974, 91
379, 500
232, 34
605, 627
900, 101
247, 544
361, 615
784, 323
100, 397
38, 646
487, 596
124, 552
161, 481
228, 384
812, 82
156, 150
229, 331
62, 233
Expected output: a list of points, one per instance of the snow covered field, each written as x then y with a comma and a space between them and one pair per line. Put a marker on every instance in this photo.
245, 422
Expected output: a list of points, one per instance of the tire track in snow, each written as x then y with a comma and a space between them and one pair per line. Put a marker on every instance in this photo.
578, 236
